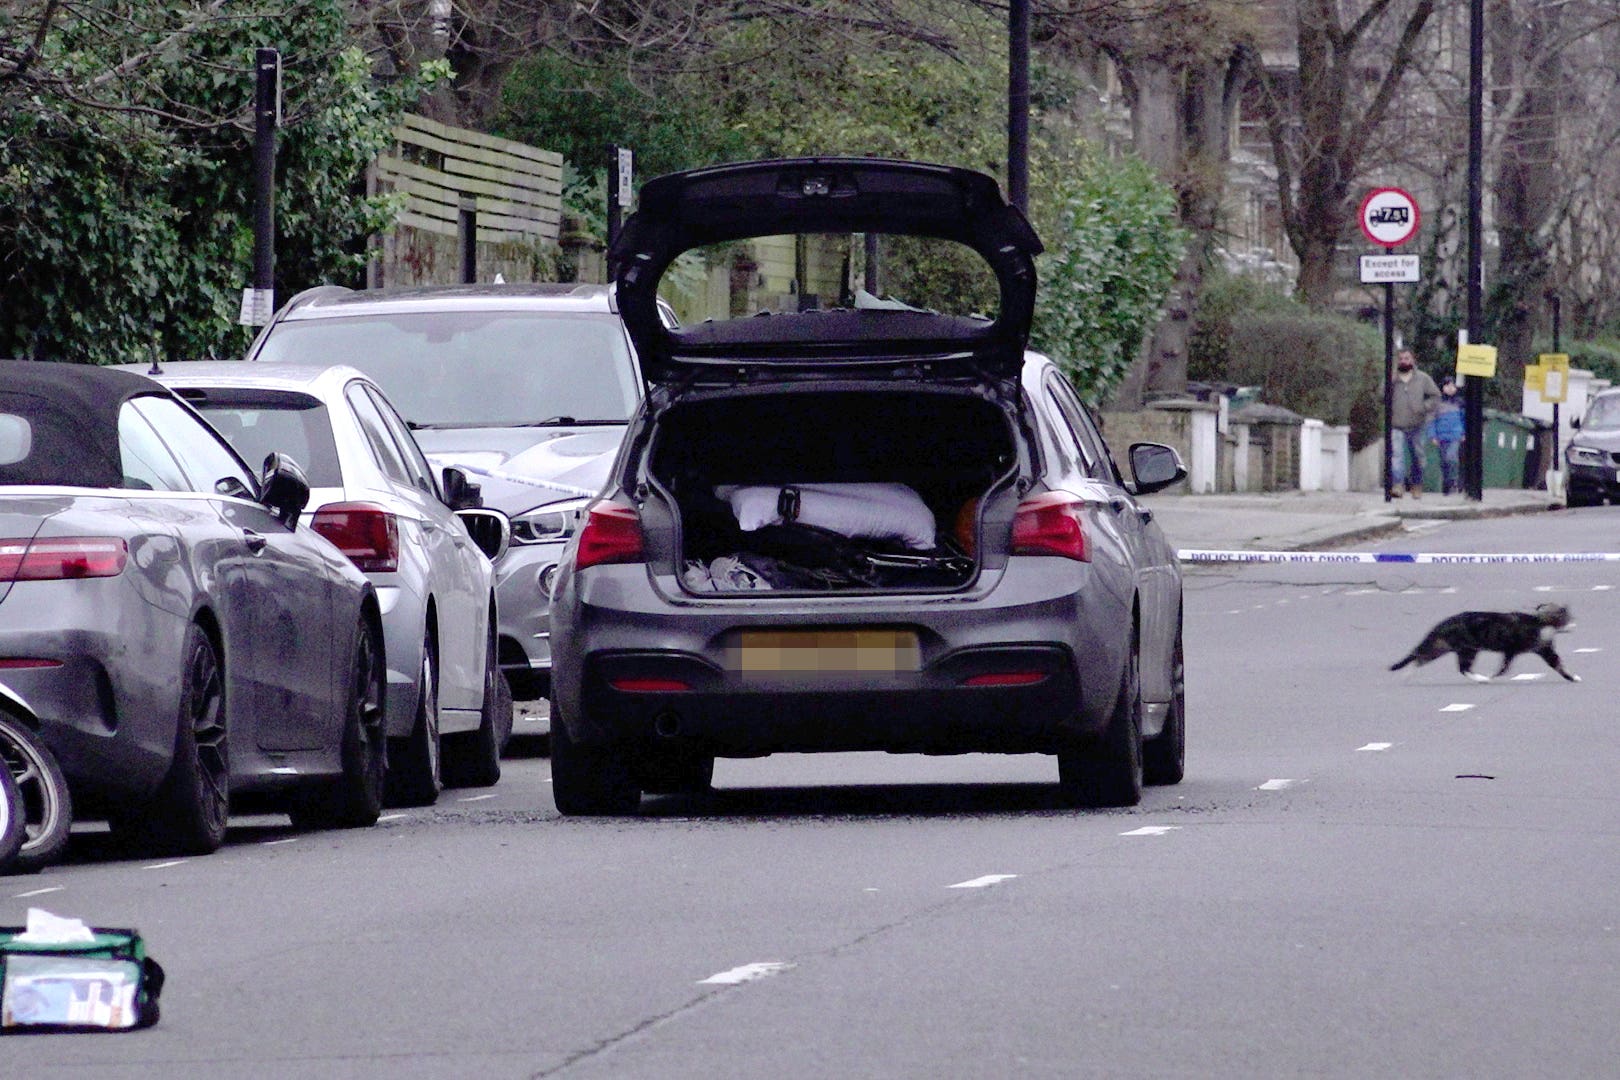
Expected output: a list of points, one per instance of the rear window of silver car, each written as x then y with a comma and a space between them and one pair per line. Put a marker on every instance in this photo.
477, 369
296, 425
16, 438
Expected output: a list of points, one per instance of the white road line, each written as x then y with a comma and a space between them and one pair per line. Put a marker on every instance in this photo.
1278, 784
1151, 830
1456, 706
1529, 676
477, 798
1375, 746
391, 817
982, 882
38, 892
1235, 611
286, 840
746, 973
164, 865
1362, 592
1588, 650
1602, 588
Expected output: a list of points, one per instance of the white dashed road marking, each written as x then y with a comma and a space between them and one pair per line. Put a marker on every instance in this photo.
1277, 785
745, 973
1588, 650
1375, 746
164, 865
390, 817
1529, 676
1151, 830
1456, 706
285, 840
982, 882
477, 798
38, 892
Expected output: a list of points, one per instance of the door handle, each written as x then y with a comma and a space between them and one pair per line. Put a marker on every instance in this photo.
255, 542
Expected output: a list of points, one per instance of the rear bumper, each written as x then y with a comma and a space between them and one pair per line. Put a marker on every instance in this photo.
932, 711
1045, 616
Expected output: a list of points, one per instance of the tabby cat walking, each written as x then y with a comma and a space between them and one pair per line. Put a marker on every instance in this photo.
1507, 632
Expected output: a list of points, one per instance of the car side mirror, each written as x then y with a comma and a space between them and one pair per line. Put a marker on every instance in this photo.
461, 493
283, 488
491, 530
1155, 466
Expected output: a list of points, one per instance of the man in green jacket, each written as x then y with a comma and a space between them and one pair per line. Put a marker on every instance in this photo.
1414, 401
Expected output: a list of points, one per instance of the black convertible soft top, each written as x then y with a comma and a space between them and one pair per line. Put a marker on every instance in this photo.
70, 413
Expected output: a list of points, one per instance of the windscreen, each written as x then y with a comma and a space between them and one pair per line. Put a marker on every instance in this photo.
294, 425
1604, 413
477, 369
867, 272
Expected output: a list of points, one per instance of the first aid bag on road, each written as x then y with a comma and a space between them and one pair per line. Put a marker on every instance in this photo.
60, 975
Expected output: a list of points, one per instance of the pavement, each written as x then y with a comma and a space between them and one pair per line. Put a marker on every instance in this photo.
1320, 520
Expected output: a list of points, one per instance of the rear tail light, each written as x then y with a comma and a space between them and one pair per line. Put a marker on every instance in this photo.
59, 558
612, 534
24, 663
366, 533
1051, 524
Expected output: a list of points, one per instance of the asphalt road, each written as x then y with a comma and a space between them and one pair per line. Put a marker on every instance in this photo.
1365, 873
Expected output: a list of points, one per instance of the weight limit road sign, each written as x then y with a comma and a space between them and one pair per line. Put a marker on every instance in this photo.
1389, 217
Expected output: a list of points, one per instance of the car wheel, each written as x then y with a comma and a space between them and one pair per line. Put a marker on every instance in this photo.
414, 773
1109, 772
590, 780
45, 806
1572, 500
354, 800
188, 814
675, 773
473, 758
1164, 757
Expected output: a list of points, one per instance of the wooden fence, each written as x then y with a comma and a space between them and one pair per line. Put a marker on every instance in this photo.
515, 191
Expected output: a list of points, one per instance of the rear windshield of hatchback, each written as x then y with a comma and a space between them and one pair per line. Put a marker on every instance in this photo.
448, 369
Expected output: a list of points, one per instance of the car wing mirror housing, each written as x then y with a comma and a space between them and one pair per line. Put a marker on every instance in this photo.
460, 493
491, 530
283, 488
1155, 466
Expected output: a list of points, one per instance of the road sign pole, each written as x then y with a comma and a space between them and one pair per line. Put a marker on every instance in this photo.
1389, 391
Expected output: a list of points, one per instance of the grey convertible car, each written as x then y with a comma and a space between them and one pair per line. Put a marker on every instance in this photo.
180, 639
864, 527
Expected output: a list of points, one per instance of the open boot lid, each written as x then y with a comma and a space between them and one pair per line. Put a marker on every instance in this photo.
688, 210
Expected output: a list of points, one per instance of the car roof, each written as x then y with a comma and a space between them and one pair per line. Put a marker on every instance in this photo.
73, 410
329, 302
268, 375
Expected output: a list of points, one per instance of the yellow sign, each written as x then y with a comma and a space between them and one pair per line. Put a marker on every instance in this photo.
1554, 377
1477, 360
1535, 377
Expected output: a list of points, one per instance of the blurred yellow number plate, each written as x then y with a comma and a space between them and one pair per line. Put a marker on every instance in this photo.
825, 652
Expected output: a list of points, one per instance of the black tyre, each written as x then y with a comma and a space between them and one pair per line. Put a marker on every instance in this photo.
1109, 772
354, 800
414, 773
1164, 757
46, 806
675, 773
1574, 501
13, 823
590, 780
473, 758
189, 813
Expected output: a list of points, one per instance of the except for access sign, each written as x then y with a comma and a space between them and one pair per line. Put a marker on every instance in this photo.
1377, 269
1389, 217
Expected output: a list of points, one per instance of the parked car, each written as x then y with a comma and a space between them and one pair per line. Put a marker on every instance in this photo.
373, 494
1593, 453
875, 527
181, 638
525, 387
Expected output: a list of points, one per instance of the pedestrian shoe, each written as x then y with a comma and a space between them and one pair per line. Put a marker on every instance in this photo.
1417, 493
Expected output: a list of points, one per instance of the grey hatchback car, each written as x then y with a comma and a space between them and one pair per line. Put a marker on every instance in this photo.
873, 527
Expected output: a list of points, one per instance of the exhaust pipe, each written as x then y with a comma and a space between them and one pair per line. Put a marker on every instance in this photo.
667, 724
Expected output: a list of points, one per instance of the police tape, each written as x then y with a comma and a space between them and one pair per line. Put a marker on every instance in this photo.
1196, 555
